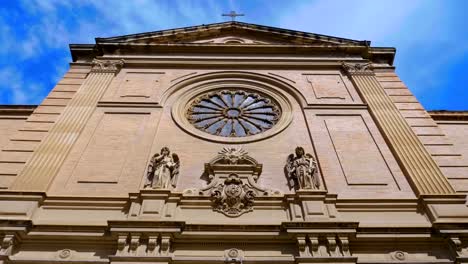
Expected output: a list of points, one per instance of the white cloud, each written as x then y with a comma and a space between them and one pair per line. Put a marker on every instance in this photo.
21, 93
60, 68
419, 29
50, 25
367, 19
424, 33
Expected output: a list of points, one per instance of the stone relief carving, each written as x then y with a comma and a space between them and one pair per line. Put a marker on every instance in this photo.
398, 255
65, 253
112, 66
357, 68
154, 245
233, 155
163, 170
232, 182
301, 170
233, 255
233, 198
321, 245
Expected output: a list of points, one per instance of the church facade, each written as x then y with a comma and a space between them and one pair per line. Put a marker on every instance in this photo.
232, 143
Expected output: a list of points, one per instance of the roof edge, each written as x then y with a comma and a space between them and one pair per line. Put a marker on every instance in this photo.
232, 23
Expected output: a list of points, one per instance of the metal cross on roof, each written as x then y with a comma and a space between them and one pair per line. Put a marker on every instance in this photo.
233, 15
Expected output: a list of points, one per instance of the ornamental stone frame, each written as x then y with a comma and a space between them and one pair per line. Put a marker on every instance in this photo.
193, 91
232, 182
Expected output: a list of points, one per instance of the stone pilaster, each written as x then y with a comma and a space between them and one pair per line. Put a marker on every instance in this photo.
421, 169
41, 169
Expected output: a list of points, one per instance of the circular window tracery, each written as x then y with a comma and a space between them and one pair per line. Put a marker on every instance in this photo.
193, 92
233, 113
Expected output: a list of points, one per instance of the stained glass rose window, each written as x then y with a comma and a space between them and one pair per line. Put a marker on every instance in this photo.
233, 113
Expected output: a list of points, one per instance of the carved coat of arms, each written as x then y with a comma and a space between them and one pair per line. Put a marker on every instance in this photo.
232, 182
233, 198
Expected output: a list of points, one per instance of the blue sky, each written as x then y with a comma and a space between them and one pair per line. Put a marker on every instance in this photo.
431, 37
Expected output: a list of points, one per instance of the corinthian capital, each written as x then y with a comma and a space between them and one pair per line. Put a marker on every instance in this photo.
357, 68
112, 66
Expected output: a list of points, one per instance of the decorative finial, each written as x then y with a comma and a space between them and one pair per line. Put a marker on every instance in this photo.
233, 15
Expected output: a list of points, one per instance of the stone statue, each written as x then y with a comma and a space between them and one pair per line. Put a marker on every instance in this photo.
163, 170
302, 170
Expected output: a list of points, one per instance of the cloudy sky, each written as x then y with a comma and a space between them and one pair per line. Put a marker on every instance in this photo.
431, 36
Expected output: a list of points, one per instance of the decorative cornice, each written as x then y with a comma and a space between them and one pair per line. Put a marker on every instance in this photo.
446, 115
236, 25
107, 66
358, 68
181, 40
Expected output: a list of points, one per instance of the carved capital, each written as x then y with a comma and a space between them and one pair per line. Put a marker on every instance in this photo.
107, 66
357, 68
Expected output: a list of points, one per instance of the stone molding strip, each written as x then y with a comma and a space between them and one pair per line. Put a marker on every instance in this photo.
46, 161
421, 169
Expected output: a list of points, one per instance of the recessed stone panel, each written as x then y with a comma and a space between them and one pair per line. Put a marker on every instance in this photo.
107, 151
356, 150
139, 84
329, 86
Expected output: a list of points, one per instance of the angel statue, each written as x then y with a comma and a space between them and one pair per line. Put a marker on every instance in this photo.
302, 170
163, 170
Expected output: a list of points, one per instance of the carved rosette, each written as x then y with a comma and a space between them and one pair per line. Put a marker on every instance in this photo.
107, 66
357, 68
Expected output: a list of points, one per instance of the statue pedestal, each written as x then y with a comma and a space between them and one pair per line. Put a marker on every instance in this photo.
311, 205
154, 204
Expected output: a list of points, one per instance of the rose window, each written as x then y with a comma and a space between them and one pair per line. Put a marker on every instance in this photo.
233, 113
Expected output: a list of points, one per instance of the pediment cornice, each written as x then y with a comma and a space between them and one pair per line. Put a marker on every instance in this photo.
266, 35
231, 38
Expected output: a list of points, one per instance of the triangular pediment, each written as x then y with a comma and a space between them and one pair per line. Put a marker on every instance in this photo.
239, 38
228, 33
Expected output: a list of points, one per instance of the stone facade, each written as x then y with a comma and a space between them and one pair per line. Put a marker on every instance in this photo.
232, 143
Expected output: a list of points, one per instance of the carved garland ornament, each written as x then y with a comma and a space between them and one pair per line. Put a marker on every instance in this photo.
229, 113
